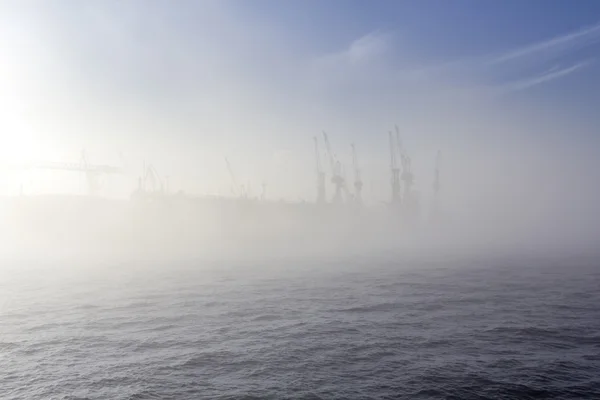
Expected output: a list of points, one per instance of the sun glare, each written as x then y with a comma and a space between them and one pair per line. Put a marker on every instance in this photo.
19, 146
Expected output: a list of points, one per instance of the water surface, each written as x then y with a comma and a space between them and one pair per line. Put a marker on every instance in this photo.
365, 327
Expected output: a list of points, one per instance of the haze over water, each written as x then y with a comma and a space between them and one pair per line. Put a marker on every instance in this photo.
182, 254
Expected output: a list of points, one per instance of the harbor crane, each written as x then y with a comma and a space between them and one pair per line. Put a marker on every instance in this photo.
358, 184
405, 161
152, 178
234, 185
92, 171
321, 195
395, 178
336, 171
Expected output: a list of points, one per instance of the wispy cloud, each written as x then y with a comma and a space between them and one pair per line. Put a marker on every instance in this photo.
552, 74
518, 68
533, 60
369, 48
557, 46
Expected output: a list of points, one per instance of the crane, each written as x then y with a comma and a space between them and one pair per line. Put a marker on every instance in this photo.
358, 184
92, 171
398, 140
321, 196
395, 172
151, 175
234, 185
336, 171
407, 175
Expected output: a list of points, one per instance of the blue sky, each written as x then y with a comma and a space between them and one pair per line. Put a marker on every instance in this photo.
445, 28
185, 83
438, 31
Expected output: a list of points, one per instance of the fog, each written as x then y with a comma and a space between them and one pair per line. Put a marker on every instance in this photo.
150, 82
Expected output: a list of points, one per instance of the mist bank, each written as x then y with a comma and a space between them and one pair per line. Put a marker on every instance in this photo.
99, 230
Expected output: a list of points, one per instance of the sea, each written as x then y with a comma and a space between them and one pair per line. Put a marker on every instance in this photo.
378, 326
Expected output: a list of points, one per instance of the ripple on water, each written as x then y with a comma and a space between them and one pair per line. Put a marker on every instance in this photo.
374, 333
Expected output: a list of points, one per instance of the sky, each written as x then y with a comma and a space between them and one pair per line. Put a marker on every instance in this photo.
506, 90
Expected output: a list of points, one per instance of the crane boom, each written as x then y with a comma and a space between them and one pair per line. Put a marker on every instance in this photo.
76, 167
92, 171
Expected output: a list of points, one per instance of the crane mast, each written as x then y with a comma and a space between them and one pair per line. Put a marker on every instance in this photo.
395, 172
405, 161
321, 196
336, 172
234, 185
407, 176
358, 184
151, 175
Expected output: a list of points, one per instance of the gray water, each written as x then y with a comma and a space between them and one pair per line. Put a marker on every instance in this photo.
310, 329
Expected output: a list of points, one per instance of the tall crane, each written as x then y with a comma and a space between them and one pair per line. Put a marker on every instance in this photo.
358, 184
321, 195
395, 171
234, 186
407, 175
151, 177
336, 172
